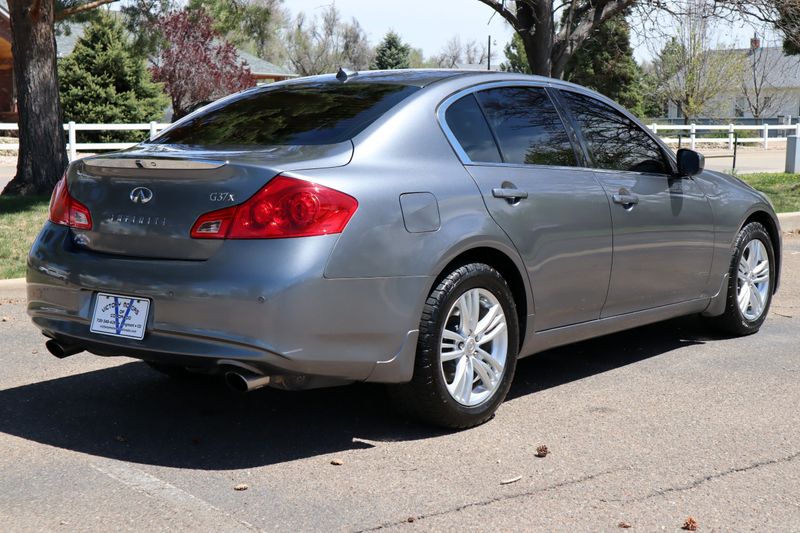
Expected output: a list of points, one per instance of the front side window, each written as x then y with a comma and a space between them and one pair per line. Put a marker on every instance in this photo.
527, 126
615, 142
295, 114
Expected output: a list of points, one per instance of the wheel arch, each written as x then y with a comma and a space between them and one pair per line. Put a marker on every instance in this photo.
773, 230
511, 270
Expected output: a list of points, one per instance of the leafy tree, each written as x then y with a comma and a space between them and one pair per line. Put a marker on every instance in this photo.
788, 22
250, 24
102, 82
198, 65
141, 20
516, 56
605, 63
654, 102
42, 145
392, 53
691, 73
416, 58
326, 43
548, 45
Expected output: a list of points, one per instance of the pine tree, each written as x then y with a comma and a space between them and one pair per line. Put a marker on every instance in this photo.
392, 53
102, 81
605, 63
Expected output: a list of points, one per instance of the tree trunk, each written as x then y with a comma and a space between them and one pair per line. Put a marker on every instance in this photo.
538, 40
42, 151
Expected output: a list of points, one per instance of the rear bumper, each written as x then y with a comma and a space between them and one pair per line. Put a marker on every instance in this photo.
264, 303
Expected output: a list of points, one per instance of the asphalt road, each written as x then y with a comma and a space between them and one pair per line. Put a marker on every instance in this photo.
645, 427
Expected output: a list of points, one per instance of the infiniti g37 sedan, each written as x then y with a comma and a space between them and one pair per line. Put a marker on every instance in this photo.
422, 229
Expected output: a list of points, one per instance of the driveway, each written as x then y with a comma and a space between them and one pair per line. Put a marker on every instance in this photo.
646, 427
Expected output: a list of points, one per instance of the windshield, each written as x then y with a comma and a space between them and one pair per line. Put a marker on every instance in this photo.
297, 114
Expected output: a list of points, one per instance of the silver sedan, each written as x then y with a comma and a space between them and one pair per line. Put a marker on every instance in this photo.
422, 229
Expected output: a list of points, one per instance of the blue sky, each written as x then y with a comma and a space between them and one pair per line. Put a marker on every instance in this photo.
426, 24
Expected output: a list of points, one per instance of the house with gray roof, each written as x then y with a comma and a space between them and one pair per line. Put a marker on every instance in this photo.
768, 82
263, 71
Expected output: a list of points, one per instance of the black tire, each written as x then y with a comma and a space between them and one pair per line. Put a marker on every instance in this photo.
733, 321
426, 397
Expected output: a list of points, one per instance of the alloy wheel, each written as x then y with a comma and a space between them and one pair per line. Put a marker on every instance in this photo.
474, 347
753, 276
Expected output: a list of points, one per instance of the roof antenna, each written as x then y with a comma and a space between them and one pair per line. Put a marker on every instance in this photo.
344, 74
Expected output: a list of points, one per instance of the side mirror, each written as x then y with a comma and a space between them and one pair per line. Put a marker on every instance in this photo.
690, 163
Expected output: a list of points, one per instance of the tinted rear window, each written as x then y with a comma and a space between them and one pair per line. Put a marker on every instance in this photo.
307, 114
527, 125
467, 123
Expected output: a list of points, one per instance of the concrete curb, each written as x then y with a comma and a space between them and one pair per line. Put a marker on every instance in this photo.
12, 284
790, 222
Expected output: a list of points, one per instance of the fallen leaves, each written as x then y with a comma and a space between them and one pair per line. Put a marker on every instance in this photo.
542, 451
5, 319
624, 525
411, 519
241, 487
510, 480
690, 524
337, 462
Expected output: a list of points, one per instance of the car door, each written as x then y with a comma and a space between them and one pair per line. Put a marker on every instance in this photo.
515, 145
663, 224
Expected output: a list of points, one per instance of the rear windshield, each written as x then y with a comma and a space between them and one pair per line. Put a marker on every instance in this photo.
302, 114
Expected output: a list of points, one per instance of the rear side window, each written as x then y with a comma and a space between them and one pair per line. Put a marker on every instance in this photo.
302, 114
527, 126
466, 121
615, 142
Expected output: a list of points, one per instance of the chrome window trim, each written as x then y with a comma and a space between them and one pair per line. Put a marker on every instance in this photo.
441, 112
525, 165
447, 102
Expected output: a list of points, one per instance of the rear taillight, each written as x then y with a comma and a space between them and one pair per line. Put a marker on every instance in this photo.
66, 210
285, 207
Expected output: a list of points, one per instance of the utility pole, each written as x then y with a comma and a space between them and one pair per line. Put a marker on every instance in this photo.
489, 54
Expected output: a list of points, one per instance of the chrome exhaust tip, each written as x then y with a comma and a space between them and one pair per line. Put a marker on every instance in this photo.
245, 381
61, 350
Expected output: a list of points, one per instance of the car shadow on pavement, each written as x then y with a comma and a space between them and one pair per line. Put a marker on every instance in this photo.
130, 413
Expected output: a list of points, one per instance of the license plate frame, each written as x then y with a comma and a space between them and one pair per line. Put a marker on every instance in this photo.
118, 315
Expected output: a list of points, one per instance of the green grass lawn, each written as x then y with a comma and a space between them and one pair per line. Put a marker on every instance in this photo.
782, 189
20, 222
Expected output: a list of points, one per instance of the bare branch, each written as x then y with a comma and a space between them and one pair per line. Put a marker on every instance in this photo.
504, 12
74, 10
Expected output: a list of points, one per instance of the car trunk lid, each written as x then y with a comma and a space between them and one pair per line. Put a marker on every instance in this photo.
144, 202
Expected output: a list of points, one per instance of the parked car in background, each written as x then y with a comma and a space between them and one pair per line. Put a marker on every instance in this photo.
422, 229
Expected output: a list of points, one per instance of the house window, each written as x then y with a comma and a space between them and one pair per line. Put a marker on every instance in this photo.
739, 106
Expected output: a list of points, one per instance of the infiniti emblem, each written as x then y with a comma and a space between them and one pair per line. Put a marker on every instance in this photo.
141, 195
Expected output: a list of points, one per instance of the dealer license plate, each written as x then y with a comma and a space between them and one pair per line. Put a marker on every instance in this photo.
120, 316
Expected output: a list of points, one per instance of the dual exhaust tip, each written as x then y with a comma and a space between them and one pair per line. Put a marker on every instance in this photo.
244, 381
61, 350
240, 380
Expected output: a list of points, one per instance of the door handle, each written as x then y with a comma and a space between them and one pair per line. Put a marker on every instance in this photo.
625, 199
509, 194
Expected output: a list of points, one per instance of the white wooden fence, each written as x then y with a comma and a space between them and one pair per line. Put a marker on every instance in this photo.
693, 133
72, 130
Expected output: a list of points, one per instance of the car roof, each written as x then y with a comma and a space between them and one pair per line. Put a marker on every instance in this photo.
424, 77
